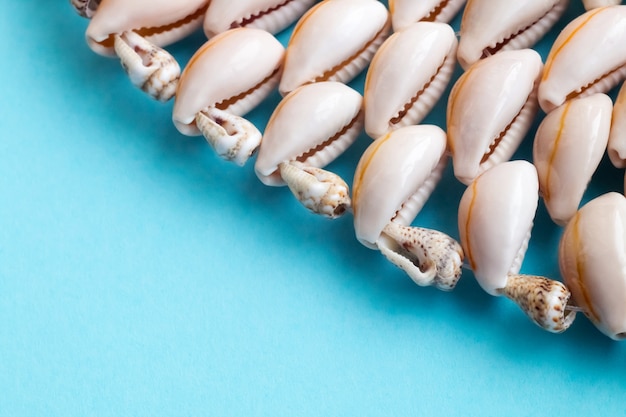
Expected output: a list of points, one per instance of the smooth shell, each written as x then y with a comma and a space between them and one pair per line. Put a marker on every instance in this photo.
160, 22
617, 138
586, 57
594, 4
495, 218
490, 109
568, 147
406, 12
407, 76
302, 125
233, 71
490, 26
392, 170
592, 258
270, 15
334, 41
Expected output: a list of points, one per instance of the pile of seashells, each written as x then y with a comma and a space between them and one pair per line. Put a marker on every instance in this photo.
412, 52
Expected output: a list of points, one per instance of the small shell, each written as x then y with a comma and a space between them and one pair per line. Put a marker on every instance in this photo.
407, 76
233, 71
592, 258
334, 41
313, 125
496, 215
406, 12
270, 15
490, 109
491, 26
594, 4
85, 8
617, 137
568, 147
161, 23
394, 178
570, 72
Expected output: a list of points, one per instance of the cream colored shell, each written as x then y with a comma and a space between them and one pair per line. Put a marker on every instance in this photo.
233, 71
407, 76
496, 214
490, 26
303, 124
334, 41
490, 109
406, 12
592, 258
617, 138
586, 57
395, 173
159, 21
270, 15
594, 4
568, 147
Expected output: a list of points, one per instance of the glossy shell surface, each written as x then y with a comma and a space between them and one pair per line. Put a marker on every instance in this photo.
592, 258
406, 12
407, 76
617, 138
334, 41
270, 15
233, 71
159, 21
491, 26
496, 215
569, 70
490, 109
313, 124
568, 147
394, 170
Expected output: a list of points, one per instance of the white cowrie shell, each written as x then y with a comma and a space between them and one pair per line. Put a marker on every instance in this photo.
568, 147
496, 214
233, 71
408, 74
312, 125
150, 68
490, 109
592, 259
491, 26
394, 178
594, 4
270, 15
334, 41
406, 12
161, 21
617, 137
570, 72
85, 8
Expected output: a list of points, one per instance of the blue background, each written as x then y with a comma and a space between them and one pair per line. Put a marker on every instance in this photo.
141, 275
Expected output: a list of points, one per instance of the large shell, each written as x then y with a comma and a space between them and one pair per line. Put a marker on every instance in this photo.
406, 12
160, 22
617, 138
394, 178
491, 26
313, 125
490, 109
233, 71
495, 218
587, 57
568, 147
407, 76
594, 4
334, 41
270, 15
592, 258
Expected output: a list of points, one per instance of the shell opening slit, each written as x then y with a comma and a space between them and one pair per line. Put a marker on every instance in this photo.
259, 15
436, 11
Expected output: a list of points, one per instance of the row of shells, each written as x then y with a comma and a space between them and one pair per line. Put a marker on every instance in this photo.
410, 53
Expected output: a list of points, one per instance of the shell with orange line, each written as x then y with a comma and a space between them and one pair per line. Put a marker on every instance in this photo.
334, 41
593, 262
406, 12
160, 22
234, 72
587, 57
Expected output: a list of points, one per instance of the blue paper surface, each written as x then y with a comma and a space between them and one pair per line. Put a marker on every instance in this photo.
141, 275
